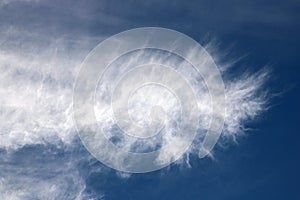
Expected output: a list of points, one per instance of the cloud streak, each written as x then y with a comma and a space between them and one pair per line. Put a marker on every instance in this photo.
38, 138
36, 109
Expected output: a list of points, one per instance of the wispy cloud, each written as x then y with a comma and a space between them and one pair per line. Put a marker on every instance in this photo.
37, 74
41, 173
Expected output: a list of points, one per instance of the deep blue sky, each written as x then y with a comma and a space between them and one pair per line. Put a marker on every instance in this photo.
265, 163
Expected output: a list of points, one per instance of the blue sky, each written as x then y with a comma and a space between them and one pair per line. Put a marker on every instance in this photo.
42, 44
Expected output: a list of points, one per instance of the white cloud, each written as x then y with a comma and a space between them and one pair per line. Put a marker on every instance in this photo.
42, 173
36, 81
246, 98
37, 74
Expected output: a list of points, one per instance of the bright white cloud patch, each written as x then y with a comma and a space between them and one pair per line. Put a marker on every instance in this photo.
36, 85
